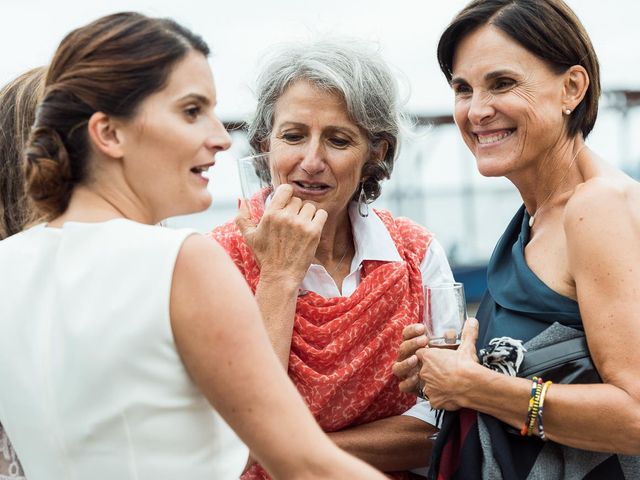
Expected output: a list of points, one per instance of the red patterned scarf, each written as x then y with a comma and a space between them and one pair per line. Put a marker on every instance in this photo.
343, 348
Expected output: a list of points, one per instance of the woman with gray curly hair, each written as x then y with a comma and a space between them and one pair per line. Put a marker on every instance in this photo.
336, 281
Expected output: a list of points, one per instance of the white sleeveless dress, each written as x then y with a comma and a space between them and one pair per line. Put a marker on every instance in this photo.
91, 383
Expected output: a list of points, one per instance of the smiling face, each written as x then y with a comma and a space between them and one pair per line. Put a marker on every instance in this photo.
508, 103
316, 148
172, 140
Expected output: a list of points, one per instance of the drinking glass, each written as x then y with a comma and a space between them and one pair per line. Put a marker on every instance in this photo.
445, 314
256, 173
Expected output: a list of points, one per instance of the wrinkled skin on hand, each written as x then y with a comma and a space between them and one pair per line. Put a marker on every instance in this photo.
285, 241
438, 372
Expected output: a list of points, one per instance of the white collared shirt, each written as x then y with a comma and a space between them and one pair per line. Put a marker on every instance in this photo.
373, 241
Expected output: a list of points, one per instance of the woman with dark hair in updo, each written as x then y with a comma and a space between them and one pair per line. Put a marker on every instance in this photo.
18, 100
115, 336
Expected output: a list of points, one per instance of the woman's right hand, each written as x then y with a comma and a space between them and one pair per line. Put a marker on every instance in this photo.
285, 241
406, 367
445, 374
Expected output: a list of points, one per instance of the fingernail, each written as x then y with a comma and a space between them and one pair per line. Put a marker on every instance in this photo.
413, 360
418, 328
239, 203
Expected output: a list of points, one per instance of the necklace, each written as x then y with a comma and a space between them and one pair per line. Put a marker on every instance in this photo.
532, 218
335, 269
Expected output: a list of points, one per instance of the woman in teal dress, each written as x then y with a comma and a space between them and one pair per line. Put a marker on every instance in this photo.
526, 84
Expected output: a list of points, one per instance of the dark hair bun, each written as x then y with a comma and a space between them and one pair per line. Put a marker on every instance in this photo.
111, 66
48, 171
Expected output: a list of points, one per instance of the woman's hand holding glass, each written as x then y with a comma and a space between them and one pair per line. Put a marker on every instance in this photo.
285, 240
444, 376
445, 311
438, 371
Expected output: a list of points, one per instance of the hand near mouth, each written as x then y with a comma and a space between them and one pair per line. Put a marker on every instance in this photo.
285, 240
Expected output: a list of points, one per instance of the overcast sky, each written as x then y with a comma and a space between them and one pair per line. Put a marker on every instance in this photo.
240, 31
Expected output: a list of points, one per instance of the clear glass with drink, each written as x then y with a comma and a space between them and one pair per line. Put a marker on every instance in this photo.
444, 314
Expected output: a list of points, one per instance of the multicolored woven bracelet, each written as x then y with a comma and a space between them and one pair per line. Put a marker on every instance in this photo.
534, 410
540, 409
529, 422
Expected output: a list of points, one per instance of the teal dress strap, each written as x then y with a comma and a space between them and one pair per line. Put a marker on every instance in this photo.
517, 303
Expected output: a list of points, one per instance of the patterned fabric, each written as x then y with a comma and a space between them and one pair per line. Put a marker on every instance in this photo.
10, 467
343, 348
475, 446
503, 354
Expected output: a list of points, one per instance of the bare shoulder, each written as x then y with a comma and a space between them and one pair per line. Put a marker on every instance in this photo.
603, 204
197, 248
207, 286
602, 228
201, 263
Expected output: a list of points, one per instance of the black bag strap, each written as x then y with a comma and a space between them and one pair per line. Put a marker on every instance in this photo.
553, 355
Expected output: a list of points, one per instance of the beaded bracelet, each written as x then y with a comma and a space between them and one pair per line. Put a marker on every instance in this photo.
540, 408
534, 410
536, 384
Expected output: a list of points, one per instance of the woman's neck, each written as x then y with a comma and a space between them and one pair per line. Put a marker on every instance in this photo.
336, 241
90, 205
551, 176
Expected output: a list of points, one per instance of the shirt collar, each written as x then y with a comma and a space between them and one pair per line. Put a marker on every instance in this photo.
371, 238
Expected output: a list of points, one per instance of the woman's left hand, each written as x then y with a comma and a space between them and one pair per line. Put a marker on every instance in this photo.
443, 374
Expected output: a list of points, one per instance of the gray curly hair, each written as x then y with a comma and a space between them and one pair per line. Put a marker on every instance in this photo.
354, 71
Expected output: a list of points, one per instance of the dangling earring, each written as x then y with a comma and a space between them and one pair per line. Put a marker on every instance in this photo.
363, 206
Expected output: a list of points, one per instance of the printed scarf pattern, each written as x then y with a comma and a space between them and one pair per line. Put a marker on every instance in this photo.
343, 348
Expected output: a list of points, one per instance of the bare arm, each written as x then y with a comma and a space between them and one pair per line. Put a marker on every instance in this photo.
220, 337
603, 233
400, 442
391, 444
277, 296
283, 243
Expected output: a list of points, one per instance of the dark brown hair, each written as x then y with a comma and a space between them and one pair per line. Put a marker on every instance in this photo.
109, 66
18, 100
549, 29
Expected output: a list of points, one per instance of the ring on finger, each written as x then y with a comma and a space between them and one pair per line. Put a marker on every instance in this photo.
420, 390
